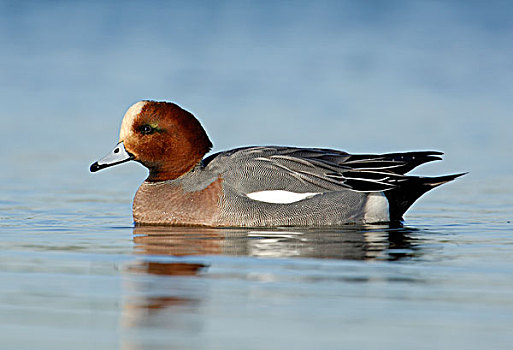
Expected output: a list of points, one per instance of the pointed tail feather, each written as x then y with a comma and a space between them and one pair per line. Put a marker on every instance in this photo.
402, 197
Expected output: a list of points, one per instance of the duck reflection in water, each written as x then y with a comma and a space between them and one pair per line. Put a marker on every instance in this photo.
159, 287
370, 242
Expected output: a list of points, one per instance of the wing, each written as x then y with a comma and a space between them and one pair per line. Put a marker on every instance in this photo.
313, 169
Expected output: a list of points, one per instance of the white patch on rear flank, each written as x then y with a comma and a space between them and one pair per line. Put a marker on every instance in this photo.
280, 196
376, 209
128, 119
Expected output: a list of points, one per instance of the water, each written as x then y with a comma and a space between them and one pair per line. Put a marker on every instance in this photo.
363, 77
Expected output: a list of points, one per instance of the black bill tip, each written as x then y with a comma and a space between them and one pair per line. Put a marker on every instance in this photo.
95, 167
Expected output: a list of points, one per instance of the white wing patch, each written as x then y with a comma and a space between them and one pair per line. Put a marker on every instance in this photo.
280, 196
376, 209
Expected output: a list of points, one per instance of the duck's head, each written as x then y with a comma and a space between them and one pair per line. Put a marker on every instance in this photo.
165, 138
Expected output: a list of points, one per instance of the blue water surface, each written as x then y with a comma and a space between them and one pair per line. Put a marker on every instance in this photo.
373, 76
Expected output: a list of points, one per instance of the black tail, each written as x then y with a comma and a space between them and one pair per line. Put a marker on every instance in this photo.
402, 197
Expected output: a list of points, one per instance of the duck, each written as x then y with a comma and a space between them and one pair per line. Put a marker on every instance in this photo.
258, 186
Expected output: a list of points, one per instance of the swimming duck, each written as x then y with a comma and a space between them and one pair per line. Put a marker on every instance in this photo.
261, 186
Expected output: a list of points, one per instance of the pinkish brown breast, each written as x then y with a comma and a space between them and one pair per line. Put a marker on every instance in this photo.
166, 203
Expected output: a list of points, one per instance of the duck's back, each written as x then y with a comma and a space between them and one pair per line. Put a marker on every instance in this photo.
287, 186
284, 186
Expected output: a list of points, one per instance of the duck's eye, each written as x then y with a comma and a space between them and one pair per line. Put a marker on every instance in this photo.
146, 129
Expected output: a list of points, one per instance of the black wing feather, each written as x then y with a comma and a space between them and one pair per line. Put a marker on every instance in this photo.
326, 168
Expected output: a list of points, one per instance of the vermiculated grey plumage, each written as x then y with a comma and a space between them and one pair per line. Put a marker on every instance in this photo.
344, 181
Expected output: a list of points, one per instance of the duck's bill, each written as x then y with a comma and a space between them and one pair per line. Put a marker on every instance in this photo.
117, 156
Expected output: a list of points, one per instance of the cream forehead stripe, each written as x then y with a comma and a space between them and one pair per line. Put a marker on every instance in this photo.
129, 118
